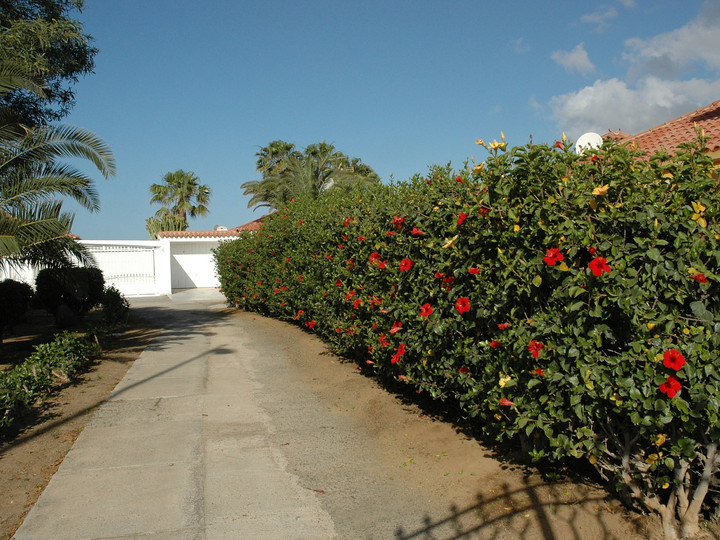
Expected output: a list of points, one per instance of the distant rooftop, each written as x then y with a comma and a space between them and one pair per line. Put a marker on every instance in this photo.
254, 225
674, 132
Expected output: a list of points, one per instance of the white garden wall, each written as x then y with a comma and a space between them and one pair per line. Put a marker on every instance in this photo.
146, 267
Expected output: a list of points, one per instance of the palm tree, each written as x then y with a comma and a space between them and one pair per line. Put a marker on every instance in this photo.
271, 159
181, 195
33, 227
289, 174
166, 222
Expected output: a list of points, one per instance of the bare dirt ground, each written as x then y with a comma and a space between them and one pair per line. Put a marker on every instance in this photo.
30, 458
487, 494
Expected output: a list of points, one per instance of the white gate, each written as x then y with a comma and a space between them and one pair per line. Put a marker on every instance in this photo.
131, 267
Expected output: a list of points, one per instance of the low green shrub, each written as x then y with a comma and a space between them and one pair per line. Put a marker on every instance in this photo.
78, 288
15, 297
567, 303
115, 307
61, 359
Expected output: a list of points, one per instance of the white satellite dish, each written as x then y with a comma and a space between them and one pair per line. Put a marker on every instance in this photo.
588, 141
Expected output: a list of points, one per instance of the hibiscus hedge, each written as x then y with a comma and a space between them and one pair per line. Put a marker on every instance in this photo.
567, 302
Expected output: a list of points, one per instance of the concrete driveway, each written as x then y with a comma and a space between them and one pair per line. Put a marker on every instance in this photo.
193, 444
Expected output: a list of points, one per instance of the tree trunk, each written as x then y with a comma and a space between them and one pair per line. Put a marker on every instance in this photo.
669, 524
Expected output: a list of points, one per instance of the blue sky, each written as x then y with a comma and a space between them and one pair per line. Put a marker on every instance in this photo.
200, 86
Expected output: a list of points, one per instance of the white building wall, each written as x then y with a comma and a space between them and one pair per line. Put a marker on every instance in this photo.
191, 262
23, 273
146, 267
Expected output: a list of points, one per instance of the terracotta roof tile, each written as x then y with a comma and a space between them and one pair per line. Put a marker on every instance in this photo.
254, 225
230, 233
670, 134
617, 136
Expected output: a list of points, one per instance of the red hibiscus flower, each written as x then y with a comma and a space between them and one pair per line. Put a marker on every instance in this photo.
592, 250
700, 278
506, 402
495, 344
397, 325
534, 348
400, 351
338, 283
374, 257
472, 270
560, 145
483, 211
461, 218
599, 265
310, 324
382, 264
670, 387
405, 264
390, 233
347, 222
539, 372
361, 238
357, 303
463, 370
439, 275
552, 256
398, 221
504, 326
462, 305
459, 179
277, 290
426, 310
673, 359
416, 232
384, 342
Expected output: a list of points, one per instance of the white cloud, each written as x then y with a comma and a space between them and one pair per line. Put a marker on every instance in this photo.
575, 60
600, 19
612, 104
628, 3
520, 46
672, 53
668, 75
